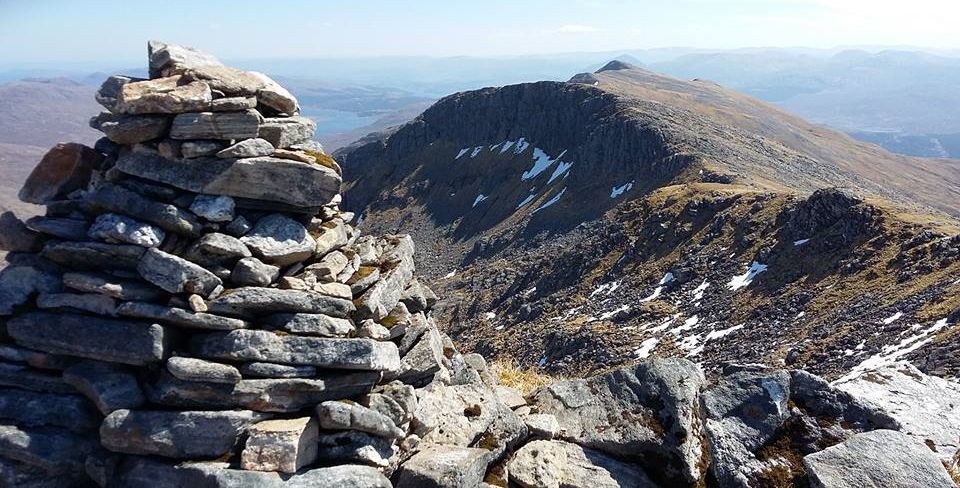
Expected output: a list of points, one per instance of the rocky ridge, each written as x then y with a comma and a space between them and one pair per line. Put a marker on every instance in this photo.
194, 309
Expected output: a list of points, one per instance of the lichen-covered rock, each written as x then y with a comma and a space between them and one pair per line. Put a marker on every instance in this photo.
257, 301
555, 464
214, 208
337, 415
182, 435
444, 467
280, 240
120, 229
175, 274
193, 369
283, 445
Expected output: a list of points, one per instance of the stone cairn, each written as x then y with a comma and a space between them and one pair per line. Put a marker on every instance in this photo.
194, 310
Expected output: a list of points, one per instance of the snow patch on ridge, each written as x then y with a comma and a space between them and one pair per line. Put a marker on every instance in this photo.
620, 190
553, 200
740, 281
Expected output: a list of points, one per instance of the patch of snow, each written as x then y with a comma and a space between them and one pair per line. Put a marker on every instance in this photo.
499, 327
666, 323
801, 314
620, 190
800, 242
476, 151
360, 219
893, 318
776, 393
698, 291
551, 201
691, 344
462, 152
740, 281
481, 197
667, 278
624, 308
718, 334
526, 201
489, 315
506, 146
529, 291
606, 288
893, 352
688, 324
562, 169
646, 347
521, 146
542, 362
450, 275
541, 161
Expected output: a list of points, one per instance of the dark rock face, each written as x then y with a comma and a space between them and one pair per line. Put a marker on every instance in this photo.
67, 167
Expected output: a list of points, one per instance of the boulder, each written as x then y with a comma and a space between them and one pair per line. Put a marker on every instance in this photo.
283, 445
384, 295
116, 199
215, 125
247, 148
308, 324
216, 249
182, 435
541, 425
264, 395
355, 447
260, 345
64, 169
257, 301
172, 59
118, 229
192, 369
331, 238
170, 95
555, 464
253, 272
15, 236
272, 95
34, 409
214, 208
175, 274
437, 466
110, 90
882, 457
644, 412
131, 129
265, 178
111, 286
93, 255
230, 81
179, 316
111, 340
69, 229
20, 282
340, 415
280, 240
283, 132
109, 386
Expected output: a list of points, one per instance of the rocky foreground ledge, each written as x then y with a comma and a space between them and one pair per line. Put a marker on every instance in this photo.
194, 310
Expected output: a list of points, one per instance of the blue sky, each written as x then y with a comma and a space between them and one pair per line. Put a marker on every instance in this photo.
96, 30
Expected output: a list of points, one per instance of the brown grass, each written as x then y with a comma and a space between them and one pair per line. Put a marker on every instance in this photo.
954, 468
523, 379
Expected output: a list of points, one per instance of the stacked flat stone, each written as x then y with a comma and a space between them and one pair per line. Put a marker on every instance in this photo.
194, 293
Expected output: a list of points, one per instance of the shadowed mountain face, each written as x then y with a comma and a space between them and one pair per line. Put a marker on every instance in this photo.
590, 223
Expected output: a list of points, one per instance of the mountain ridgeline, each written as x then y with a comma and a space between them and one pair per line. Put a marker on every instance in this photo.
587, 224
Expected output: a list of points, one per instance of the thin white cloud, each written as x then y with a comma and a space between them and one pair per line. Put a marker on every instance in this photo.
576, 29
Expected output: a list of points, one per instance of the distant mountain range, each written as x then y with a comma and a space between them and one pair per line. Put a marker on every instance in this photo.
582, 225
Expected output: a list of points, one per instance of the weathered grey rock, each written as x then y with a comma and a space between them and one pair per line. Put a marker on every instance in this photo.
542, 425
110, 90
172, 59
119, 341
283, 445
217, 249
272, 95
69, 229
175, 274
238, 227
179, 316
274, 370
265, 178
283, 132
510, 397
233, 104
215, 125
111, 286
308, 324
355, 447
373, 330
53, 450
19, 282
884, 458
552, 464
466, 416
139, 472
253, 272
332, 238
169, 95
15, 236
131, 129
119, 229
87, 302
214, 208
113, 198
380, 298
64, 169
36, 359
922, 406
336, 290
418, 297
192, 369
648, 411
422, 361
200, 148
20, 474
338, 415
33, 409
444, 467
184, 435
101, 466
260, 345
280, 240
247, 148
329, 267
265, 395
252, 301
93, 255
743, 411
25, 378
230, 81
109, 386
